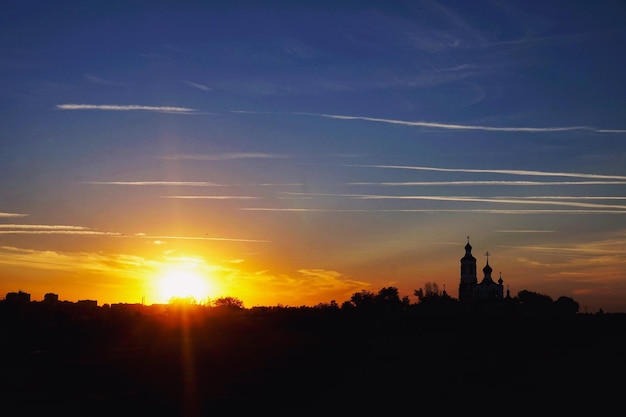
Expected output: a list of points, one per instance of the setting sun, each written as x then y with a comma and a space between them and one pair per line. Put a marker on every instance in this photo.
183, 282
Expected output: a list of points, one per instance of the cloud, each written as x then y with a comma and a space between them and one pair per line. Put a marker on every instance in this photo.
437, 210
98, 80
498, 200
294, 288
323, 278
198, 86
53, 229
561, 197
41, 227
58, 232
129, 107
12, 215
533, 200
577, 205
50, 229
500, 171
70, 261
221, 239
481, 183
604, 254
448, 126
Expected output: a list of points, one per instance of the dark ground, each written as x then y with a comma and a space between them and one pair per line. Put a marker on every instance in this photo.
305, 362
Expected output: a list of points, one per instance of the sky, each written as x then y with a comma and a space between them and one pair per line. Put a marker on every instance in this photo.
294, 153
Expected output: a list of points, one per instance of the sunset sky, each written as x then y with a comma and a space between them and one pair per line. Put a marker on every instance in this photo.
295, 153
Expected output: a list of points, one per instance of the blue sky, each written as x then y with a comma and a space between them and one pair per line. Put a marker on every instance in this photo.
298, 153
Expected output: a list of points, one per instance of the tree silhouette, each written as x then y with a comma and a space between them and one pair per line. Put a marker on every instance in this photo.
430, 290
227, 302
534, 303
364, 300
388, 297
435, 302
566, 306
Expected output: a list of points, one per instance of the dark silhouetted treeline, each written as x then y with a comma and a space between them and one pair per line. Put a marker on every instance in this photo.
376, 354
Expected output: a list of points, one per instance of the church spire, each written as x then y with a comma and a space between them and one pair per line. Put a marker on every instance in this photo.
468, 274
468, 247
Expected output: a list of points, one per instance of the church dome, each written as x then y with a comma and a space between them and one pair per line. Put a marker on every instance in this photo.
468, 253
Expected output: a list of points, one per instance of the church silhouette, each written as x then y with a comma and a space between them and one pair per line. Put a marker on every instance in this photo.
470, 290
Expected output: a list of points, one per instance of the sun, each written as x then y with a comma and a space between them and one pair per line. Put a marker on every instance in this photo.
183, 282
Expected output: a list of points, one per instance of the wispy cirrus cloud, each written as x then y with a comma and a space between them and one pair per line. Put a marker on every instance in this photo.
265, 287
329, 278
161, 238
498, 200
481, 183
97, 80
51, 229
198, 85
434, 210
517, 172
41, 227
126, 107
611, 130
58, 232
448, 126
563, 197
3, 214
71, 261
576, 249
567, 204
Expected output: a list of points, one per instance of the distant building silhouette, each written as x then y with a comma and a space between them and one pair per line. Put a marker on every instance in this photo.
51, 298
20, 297
87, 303
470, 290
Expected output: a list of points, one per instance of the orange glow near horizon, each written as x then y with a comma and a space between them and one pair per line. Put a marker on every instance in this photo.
152, 274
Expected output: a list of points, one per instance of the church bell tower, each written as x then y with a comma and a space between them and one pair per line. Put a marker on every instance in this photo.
469, 280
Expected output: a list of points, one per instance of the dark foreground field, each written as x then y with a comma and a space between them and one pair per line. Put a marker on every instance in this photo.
294, 362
